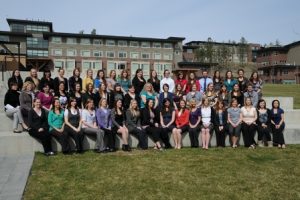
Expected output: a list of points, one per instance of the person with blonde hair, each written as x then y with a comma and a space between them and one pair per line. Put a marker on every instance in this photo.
26, 99
88, 79
148, 93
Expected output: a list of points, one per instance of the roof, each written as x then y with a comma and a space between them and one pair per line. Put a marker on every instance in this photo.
273, 48
30, 22
196, 64
278, 66
9, 33
212, 42
79, 35
292, 45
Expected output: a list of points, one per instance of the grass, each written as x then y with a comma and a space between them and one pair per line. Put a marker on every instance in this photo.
283, 90
173, 174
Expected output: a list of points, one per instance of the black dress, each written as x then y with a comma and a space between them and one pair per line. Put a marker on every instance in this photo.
138, 85
155, 84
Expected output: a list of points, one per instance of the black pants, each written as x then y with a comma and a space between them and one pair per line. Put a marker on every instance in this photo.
263, 134
248, 134
155, 133
194, 134
63, 139
141, 135
165, 136
77, 137
44, 137
110, 138
220, 136
278, 134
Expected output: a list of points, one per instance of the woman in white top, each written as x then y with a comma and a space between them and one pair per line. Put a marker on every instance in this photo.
207, 114
89, 125
249, 117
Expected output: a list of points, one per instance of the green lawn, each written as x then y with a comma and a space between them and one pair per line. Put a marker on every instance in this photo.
283, 90
265, 173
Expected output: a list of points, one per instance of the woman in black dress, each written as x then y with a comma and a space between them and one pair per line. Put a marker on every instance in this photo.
167, 119
16, 78
138, 81
154, 81
130, 96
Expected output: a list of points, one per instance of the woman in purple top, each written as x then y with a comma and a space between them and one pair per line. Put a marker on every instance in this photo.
194, 122
277, 124
103, 117
46, 98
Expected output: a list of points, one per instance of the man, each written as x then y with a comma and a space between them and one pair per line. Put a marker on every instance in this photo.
167, 80
34, 79
251, 94
243, 81
204, 81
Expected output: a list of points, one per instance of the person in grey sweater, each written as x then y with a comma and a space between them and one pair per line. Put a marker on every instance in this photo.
251, 94
26, 98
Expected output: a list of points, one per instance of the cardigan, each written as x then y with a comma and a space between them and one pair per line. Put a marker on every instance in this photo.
146, 119
103, 118
36, 122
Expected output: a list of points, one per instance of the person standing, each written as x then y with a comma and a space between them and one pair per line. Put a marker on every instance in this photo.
181, 81
100, 78
167, 80
26, 99
194, 94
33, 78
220, 123
234, 122
16, 78
167, 119
257, 84
138, 81
217, 81
224, 96
208, 115
130, 95
60, 78
194, 123
154, 81
46, 79
88, 79
250, 93
46, 98
73, 80
242, 80
191, 81
204, 81
263, 124
229, 81
237, 94
165, 95
277, 124
148, 93
124, 81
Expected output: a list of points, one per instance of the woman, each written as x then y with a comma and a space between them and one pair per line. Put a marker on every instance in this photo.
62, 95
277, 124
116, 94
181, 81
102, 93
60, 78
194, 94
73, 80
249, 117
191, 81
38, 126
138, 81
76, 94
238, 95
181, 122
211, 95
103, 116
133, 122
89, 126
220, 123
167, 119
234, 122
124, 81
194, 123
150, 123
148, 93
165, 95
112, 80
88, 79
130, 95
46, 98
73, 122
16, 78
224, 96
12, 107
118, 124
57, 126
100, 78
242, 80
208, 115
154, 81
263, 124
217, 81
46, 79
229, 81
89, 93
257, 84
178, 95
26, 98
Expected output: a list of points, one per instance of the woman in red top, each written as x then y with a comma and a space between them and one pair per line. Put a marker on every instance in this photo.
181, 80
182, 123
192, 80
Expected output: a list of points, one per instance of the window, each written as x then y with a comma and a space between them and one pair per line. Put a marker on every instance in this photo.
56, 52
161, 67
144, 66
97, 42
37, 43
97, 53
285, 71
110, 43
71, 52
17, 28
85, 41
59, 63
157, 56
118, 66
122, 43
145, 45
122, 54
4, 38
134, 55
168, 56
145, 55
134, 43
189, 50
110, 54
37, 28
157, 45
39, 53
90, 64
70, 65
56, 40
85, 53
71, 41
167, 45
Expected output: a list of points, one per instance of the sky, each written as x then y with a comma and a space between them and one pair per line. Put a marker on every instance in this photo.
259, 21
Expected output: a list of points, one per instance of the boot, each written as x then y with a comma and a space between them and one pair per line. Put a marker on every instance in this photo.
260, 143
128, 148
123, 147
270, 144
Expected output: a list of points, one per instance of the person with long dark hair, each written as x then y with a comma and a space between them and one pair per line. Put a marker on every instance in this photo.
263, 124
16, 78
102, 93
237, 94
76, 93
138, 81
111, 80
116, 94
217, 81
62, 95
124, 81
194, 123
46, 79
211, 95
242, 80
191, 81
57, 126
73, 80
178, 95
277, 124
224, 96
46, 98
73, 122
100, 78
130, 95
60, 78
234, 122
167, 119
165, 95
154, 81
38, 126
229, 81
133, 122
181, 81
118, 124
257, 84
220, 123
89, 93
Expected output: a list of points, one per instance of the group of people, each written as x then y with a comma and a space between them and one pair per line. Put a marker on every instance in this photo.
105, 107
